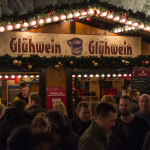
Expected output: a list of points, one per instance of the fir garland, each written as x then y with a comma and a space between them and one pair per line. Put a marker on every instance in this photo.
84, 62
66, 9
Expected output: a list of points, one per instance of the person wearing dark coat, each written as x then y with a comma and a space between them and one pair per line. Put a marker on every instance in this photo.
82, 121
55, 123
14, 117
34, 106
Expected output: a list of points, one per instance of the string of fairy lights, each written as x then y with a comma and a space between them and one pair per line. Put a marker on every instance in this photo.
130, 24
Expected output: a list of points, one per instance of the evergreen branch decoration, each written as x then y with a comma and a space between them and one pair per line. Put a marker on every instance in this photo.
83, 62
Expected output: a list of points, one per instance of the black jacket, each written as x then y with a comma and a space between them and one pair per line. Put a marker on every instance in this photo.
12, 119
69, 140
79, 126
34, 110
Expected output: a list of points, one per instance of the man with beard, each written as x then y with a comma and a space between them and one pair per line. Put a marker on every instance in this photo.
130, 129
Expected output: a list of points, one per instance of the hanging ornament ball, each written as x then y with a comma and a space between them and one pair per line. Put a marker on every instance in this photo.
123, 61
30, 67
59, 63
113, 62
15, 62
143, 62
96, 64
93, 62
19, 63
147, 62
127, 62
88, 19
71, 62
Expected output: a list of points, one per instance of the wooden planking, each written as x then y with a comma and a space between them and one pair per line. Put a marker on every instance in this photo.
54, 28
118, 84
86, 29
55, 77
145, 48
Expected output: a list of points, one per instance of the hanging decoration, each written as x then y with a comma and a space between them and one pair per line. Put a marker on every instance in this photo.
75, 11
84, 62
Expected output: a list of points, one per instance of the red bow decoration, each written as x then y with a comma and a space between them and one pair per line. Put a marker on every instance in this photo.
22, 21
49, 13
125, 15
110, 11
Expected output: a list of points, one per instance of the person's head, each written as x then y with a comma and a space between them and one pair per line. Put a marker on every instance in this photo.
34, 99
46, 141
108, 98
38, 123
24, 89
105, 115
135, 94
84, 111
125, 105
144, 103
19, 104
61, 107
21, 139
2, 110
54, 120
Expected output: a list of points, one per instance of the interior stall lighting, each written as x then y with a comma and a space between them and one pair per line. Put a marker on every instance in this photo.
63, 17
19, 76
103, 75
129, 75
6, 76
84, 13
41, 21
147, 28
25, 76
77, 14
91, 75
129, 22
18, 26
141, 26
119, 75
9, 27
125, 75
0, 76
135, 24
2, 29
133, 28
37, 76
13, 76
108, 75
114, 75
79, 76
73, 76
48, 20
56, 18
97, 75
116, 18
25, 24
85, 75
91, 12
123, 20
32, 76
103, 14
33, 23
70, 16
98, 12
110, 16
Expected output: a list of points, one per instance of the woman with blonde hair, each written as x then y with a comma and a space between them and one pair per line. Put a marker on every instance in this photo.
62, 109
110, 99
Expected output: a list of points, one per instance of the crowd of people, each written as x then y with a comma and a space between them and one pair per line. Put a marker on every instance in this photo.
103, 125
